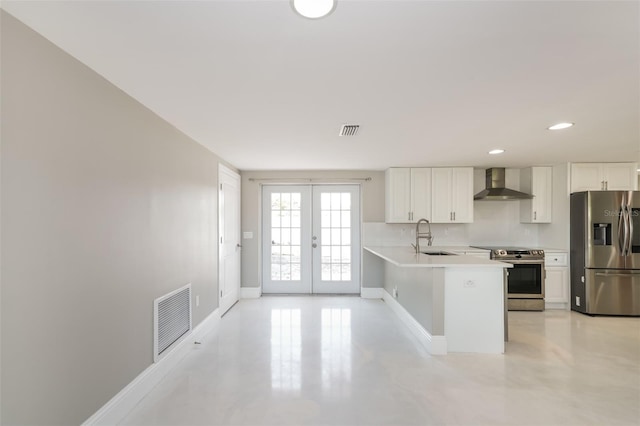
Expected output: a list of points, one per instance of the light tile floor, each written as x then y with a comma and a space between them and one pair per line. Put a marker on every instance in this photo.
350, 361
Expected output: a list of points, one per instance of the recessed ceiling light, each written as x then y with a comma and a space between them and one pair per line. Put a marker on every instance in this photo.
496, 151
313, 9
560, 126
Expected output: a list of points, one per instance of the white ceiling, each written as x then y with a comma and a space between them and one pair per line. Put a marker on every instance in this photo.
430, 83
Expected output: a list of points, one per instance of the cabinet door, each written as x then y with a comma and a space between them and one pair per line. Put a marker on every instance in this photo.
421, 193
556, 286
462, 197
397, 195
441, 195
586, 177
620, 176
541, 188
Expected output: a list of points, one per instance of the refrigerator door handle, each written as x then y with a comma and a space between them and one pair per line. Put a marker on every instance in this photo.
616, 274
622, 231
629, 231
624, 213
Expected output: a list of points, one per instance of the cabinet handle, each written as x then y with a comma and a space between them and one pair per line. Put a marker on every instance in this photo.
454, 216
606, 185
535, 215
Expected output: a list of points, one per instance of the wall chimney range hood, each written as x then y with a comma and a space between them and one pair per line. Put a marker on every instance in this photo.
495, 188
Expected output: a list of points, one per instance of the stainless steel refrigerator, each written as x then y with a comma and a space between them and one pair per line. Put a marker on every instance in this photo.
605, 252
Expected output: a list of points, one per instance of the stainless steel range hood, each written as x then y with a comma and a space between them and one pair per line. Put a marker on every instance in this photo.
495, 188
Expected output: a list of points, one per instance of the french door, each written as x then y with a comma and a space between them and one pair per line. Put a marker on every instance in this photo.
311, 239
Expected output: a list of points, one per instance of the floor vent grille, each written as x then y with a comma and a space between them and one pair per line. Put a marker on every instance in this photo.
171, 319
349, 129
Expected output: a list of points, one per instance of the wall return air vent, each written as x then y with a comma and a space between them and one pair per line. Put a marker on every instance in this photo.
172, 320
349, 129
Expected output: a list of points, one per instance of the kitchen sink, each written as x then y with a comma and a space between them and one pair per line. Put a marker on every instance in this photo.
438, 253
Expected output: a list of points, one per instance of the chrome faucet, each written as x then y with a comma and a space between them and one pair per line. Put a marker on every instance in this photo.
427, 235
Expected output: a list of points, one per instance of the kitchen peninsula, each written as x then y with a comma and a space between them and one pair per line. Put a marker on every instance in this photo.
453, 303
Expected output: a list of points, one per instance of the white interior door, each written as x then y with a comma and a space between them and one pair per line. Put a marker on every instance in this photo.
229, 228
311, 239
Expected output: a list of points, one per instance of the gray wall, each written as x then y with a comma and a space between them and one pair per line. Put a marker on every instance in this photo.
372, 195
421, 292
105, 207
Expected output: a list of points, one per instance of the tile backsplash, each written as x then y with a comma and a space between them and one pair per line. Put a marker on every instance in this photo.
495, 223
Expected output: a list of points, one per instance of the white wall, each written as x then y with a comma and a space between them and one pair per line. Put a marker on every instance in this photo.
105, 207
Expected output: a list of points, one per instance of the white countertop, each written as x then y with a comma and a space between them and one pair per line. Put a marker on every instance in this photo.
407, 257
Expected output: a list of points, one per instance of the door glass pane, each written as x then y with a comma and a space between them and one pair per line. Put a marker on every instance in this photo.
285, 236
335, 211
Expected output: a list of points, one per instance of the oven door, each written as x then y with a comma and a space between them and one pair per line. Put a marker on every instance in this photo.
526, 279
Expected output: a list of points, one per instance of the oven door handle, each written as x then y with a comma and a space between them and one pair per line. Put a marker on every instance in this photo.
522, 262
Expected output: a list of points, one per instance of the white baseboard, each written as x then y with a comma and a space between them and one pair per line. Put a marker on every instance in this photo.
124, 401
436, 345
372, 292
250, 292
557, 305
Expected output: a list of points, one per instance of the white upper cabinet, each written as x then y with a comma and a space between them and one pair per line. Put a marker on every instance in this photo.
536, 181
604, 177
620, 176
407, 194
452, 195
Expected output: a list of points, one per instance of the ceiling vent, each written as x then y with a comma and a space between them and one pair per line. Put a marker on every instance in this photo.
349, 129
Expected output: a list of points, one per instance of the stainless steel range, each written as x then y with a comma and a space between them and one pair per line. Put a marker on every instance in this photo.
525, 281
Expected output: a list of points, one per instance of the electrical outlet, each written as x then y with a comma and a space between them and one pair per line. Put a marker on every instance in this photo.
395, 292
577, 300
197, 301
469, 284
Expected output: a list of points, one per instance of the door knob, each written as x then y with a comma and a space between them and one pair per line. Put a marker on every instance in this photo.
314, 245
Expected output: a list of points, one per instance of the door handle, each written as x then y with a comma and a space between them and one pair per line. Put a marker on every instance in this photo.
622, 231
628, 230
239, 245
615, 274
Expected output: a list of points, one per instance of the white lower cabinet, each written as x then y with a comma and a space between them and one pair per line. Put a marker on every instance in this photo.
557, 280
